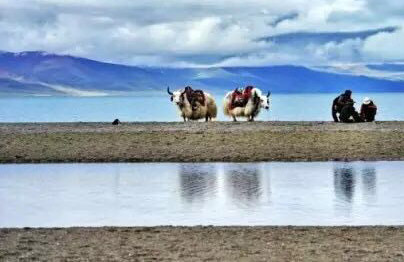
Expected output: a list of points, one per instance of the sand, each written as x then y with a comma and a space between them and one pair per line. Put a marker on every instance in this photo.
204, 244
202, 142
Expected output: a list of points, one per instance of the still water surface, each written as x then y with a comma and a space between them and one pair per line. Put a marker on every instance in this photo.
157, 107
145, 194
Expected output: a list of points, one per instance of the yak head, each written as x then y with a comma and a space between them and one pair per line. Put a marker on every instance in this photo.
176, 97
264, 100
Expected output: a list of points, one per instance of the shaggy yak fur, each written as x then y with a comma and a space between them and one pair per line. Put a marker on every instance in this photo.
206, 110
252, 107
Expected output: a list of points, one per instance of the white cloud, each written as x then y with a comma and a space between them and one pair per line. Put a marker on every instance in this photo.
191, 32
385, 47
361, 70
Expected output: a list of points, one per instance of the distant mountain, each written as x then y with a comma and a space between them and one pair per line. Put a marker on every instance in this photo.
40, 73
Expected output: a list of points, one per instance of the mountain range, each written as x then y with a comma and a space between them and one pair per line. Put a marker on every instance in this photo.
41, 73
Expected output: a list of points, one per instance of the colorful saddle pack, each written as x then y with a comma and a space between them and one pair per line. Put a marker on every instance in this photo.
239, 98
194, 96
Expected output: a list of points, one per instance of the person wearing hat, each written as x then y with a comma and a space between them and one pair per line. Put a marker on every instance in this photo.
368, 110
339, 102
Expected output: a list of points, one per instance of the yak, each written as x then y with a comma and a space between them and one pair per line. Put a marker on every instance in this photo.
245, 104
191, 108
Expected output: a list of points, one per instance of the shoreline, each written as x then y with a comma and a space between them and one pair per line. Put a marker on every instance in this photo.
200, 142
233, 243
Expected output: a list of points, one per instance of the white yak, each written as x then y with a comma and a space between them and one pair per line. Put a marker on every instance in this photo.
207, 111
250, 109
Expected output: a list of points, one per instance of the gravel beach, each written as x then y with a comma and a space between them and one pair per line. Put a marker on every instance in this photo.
200, 142
203, 244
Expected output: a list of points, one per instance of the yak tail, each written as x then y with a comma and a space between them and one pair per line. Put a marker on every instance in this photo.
226, 103
213, 111
226, 109
211, 106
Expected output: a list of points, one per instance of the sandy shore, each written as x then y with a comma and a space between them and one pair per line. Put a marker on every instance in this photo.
204, 244
187, 142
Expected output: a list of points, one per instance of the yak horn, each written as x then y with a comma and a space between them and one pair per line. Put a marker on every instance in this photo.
168, 91
269, 93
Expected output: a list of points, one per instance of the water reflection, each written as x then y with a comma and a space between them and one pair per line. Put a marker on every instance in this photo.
346, 179
244, 183
344, 183
369, 184
148, 194
197, 182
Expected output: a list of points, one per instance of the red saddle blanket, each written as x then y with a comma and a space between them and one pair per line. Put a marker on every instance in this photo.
240, 98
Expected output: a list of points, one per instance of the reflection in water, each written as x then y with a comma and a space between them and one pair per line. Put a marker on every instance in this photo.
244, 183
345, 179
344, 183
116, 183
147, 194
197, 181
344, 188
369, 183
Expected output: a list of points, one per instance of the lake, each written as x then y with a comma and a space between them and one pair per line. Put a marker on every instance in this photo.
149, 194
157, 107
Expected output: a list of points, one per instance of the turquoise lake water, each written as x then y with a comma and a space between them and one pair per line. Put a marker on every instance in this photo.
157, 107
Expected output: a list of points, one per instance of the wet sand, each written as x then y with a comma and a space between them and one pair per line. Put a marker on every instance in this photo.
199, 141
204, 244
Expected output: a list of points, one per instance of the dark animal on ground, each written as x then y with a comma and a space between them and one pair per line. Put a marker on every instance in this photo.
116, 122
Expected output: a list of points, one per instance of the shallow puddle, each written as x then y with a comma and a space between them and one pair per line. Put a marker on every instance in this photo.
148, 194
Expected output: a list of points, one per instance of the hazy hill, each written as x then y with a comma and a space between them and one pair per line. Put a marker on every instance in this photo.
41, 73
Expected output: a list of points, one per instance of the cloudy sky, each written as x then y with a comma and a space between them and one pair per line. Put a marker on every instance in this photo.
206, 33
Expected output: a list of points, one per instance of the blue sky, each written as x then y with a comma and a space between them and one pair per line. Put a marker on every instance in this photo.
340, 35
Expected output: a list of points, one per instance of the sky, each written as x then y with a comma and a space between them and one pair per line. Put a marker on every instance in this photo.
341, 34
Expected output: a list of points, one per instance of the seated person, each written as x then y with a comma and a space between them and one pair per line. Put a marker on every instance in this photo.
339, 102
348, 114
368, 110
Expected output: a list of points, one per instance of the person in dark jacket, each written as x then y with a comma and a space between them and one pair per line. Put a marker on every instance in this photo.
349, 114
368, 110
339, 102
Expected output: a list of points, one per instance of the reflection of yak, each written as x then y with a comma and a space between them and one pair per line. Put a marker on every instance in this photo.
197, 180
344, 183
369, 182
244, 183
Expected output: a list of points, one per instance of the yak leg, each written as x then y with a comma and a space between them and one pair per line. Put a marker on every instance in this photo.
185, 119
234, 119
251, 119
206, 118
